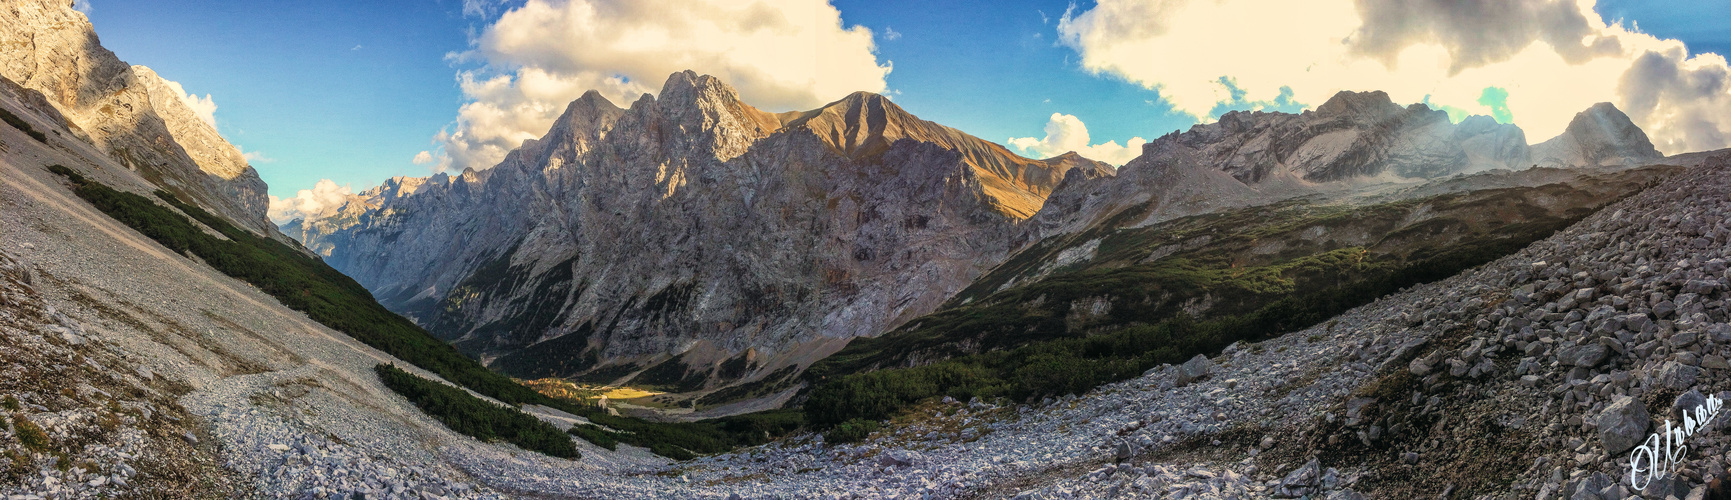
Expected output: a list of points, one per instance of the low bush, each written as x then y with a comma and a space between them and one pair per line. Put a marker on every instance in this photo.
851, 431
21, 125
477, 417
29, 433
598, 436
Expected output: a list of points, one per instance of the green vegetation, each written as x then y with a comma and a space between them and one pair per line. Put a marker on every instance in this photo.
476, 417
851, 431
595, 434
11, 403
21, 125
29, 434
687, 440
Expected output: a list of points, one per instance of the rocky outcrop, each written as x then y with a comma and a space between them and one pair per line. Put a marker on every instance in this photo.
127, 111
694, 225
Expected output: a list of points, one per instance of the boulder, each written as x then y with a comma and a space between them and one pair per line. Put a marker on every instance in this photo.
1678, 376
1585, 355
1686, 401
1623, 424
900, 458
1196, 369
1304, 481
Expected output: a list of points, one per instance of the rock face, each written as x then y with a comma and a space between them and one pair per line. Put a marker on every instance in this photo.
128, 112
692, 225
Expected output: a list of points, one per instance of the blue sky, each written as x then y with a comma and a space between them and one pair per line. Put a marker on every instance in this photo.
352, 91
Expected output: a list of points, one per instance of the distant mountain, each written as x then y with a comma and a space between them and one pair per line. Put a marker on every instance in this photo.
1356, 143
692, 237
127, 112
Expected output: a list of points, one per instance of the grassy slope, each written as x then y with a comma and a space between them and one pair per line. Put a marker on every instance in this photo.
1260, 271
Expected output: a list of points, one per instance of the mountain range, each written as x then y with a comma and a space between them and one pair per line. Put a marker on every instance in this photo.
692, 227
754, 243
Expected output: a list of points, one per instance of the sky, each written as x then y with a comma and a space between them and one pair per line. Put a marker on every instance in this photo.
330, 97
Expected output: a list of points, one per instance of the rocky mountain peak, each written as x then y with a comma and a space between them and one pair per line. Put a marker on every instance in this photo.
1609, 133
1600, 135
1346, 103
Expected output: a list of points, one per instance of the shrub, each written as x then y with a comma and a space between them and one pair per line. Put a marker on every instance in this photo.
29, 434
598, 436
476, 417
21, 125
851, 431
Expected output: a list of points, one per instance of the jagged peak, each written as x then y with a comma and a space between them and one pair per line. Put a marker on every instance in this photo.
1606, 120
1347, 102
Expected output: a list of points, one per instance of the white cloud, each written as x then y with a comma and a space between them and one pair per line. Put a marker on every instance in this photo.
323, 199
779, 54
82, 6
423, 158
480, 8
890, 34
255, 156
1555, 58
204, 107
1065, 133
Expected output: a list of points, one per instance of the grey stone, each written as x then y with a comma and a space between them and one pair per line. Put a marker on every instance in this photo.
1197, 368
1586, 355
1686, 401
1623, 424
1303, 481
1678, 376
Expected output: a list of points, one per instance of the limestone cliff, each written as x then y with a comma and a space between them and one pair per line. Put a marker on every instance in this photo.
128, 112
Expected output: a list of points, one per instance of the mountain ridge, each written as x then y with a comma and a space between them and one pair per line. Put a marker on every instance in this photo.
129, 112
839, 220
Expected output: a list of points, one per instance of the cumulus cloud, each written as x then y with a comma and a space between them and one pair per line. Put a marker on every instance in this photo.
779, 54
1066, 133
204, 107
323, 199
423, 158
82, 6
1553, 58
